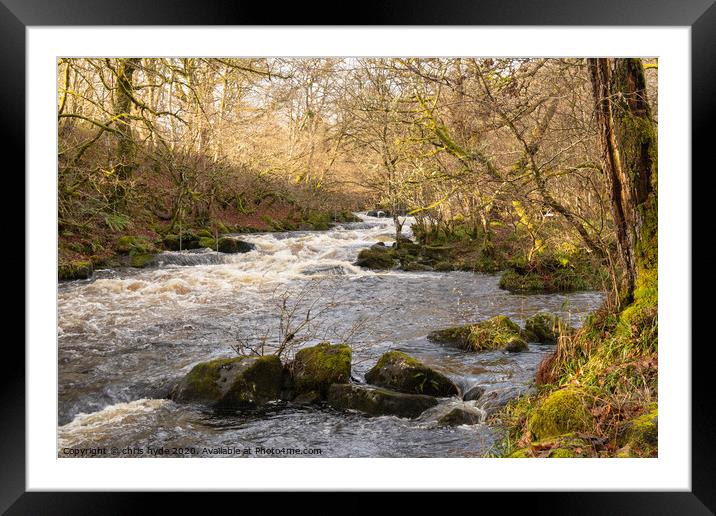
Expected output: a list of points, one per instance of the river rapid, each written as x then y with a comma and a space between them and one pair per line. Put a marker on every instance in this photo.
126, 336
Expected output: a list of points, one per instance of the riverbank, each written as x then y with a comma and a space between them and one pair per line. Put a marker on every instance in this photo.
564, 269
597, 394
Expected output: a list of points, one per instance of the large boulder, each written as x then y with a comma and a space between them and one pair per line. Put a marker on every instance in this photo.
376, 257
401, 372
496, 333
377, 401
562, 412
545, 328
232, 383
316, 368
74, 269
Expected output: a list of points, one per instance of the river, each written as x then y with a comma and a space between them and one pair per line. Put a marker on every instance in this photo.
126, 336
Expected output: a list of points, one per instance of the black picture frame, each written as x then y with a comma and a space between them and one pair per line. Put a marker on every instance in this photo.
700, 15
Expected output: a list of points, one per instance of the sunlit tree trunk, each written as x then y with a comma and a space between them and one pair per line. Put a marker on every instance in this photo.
628, 135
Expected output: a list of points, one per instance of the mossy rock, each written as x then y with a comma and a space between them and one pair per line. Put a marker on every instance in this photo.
640, 436
205, 233
74, 269
377, 401
376, 258
317, 367
496, 333
232, 383
562, 412
207, 242
401, 372
128, 244
546, 328
317, 221
141, 259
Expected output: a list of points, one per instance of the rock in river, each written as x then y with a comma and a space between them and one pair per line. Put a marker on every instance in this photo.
232, 383
401, 372
461, 416
377, 401
495, 333
317, 367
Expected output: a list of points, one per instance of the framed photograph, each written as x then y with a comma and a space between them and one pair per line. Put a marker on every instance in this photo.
429, 250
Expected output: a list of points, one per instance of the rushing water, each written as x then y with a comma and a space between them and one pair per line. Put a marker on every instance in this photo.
126, 336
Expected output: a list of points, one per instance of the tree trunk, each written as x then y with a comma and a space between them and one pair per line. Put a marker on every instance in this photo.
629, 143
122, 107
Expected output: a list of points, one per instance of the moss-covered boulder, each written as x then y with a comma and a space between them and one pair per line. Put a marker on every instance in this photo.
207, 243
74, 269
377, 401
639, 437
545, 328
458, 416
318, 367
377, 257
141, 260
562, 412
496, 333
401, 372
232, 383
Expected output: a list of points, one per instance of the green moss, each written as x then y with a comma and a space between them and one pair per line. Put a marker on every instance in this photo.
74, 269
401, 372
209, 242
562, 412
128, 244
639, 436
521, 453
317, 367
141, 260
561, 453
228, 383
496, 333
